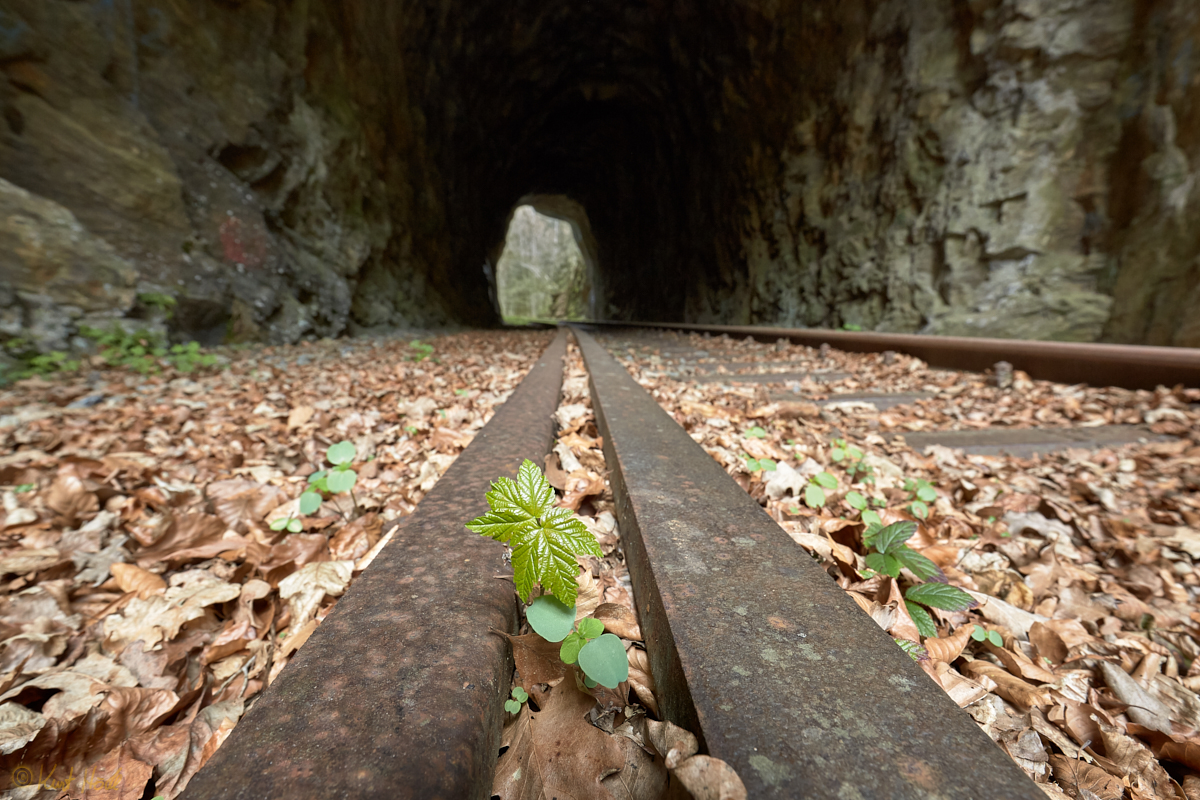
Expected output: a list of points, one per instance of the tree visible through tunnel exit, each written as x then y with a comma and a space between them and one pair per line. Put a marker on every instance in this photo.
541, 273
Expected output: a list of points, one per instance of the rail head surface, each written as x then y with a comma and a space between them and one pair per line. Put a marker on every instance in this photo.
399, 693
1125, 365
756, 649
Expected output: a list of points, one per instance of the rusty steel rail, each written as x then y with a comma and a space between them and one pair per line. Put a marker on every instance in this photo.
1125, 365
399, 693
754, 648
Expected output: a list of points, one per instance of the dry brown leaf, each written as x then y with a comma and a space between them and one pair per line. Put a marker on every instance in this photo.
23, 562
130, 578
1008, 686
304, 589
354, 540
950, 647
536, 766
643, 777
298, 416
117, 776
619, 620
240, 502
537, 660
1079, 775
709, 778
640, 679
672, 742
962, 690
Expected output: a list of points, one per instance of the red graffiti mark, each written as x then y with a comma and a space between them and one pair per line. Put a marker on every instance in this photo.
243, 244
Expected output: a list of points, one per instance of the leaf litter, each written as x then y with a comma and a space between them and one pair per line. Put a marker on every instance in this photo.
1080, 659
569, 741
145, 599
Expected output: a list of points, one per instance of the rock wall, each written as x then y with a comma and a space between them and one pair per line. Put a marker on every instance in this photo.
1013, 168
225, 153
290, 168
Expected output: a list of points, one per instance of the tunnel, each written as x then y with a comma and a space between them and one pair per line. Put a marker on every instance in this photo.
287, 170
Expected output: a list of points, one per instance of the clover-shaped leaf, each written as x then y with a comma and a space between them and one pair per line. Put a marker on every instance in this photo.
340, 453
603, 660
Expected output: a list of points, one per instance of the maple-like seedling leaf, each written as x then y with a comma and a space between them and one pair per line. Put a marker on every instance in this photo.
544, 540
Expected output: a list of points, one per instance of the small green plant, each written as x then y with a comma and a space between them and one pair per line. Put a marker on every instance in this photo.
424, 351
920, 492
33, 363
892, 554
756, 464
187, 357
338, 479
288, 523
855, 468
814, 493
915, 651
25, 487
164, 303
850, 326
146, 352
544, 542
979, 634
519, 696
755, 433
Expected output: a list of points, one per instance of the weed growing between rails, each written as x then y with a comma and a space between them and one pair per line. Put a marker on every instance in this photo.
150, 554
1080, 658
582, 673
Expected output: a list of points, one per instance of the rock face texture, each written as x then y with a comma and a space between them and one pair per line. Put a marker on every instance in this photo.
1022, 168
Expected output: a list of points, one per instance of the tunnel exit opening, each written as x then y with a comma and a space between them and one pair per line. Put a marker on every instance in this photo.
546, 266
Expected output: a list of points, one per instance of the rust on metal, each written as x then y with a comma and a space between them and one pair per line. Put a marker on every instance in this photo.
756, 649
399, 693
1126, 365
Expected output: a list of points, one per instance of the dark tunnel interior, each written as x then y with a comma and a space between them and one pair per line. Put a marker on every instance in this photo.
608, 105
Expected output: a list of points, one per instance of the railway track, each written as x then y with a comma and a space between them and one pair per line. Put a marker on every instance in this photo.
399, 692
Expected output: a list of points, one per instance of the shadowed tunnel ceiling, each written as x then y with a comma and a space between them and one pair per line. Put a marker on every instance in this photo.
1020, 168
621, 107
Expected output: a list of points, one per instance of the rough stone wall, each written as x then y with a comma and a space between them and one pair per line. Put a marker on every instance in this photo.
226, 153
310, 167
1012, 168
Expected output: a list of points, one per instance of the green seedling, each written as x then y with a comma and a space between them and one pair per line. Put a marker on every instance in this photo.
921, 492
814, 493
25, 487
544, 542
145, 352
979, 634
519, 696
290, 524
856, 501
756, 464
855, 468
755, 433
424, 351
915, 651
892, 554
338, 479
850, 326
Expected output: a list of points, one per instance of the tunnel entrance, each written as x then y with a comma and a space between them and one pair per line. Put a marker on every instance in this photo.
546, 265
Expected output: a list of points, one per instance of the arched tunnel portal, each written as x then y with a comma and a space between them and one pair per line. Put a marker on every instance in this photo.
1020, 168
